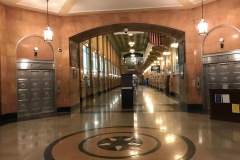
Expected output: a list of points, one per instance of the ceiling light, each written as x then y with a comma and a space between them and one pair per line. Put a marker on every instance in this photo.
131, 44
174, 45
132, 50
166, 53
48, 34
202, 25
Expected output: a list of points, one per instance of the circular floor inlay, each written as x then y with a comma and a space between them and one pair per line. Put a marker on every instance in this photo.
125, 145
121, 143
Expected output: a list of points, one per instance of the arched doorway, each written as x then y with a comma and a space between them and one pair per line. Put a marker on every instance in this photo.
131, 27
81, 37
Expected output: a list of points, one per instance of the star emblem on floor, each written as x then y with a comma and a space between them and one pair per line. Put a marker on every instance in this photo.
120, 143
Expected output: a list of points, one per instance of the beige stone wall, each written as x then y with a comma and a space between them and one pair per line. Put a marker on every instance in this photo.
20, 23
174, 84
2, 44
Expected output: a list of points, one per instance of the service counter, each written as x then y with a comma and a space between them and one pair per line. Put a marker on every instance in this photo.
224, 104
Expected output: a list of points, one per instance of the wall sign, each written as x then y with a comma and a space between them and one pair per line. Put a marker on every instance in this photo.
155, 68
74, 55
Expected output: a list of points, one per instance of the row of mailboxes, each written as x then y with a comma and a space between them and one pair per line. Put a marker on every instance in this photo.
35, 88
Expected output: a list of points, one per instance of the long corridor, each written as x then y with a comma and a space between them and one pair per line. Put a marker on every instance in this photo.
99, 130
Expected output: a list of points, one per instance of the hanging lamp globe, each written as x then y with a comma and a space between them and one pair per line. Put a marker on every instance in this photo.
48, 35
202, 27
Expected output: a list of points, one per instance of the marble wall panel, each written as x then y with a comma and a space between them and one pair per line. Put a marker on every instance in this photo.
2, 50
226, 5
174, 84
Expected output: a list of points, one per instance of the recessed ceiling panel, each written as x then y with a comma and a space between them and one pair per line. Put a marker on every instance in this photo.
196, 1
53, 5
78, 7
110, 5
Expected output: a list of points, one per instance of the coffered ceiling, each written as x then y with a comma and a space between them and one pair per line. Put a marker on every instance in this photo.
77, 7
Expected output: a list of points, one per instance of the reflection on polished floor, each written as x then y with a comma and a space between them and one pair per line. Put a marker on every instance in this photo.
157, 129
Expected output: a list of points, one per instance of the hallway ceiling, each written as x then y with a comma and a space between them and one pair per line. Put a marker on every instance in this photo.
78, 7
120, 42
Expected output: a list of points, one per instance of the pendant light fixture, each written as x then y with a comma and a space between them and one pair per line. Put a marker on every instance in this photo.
202, 25
48, 34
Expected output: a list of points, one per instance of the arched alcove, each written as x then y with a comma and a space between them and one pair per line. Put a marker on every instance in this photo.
230, 36
25, 49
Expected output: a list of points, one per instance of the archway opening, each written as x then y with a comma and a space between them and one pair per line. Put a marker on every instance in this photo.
102, 40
